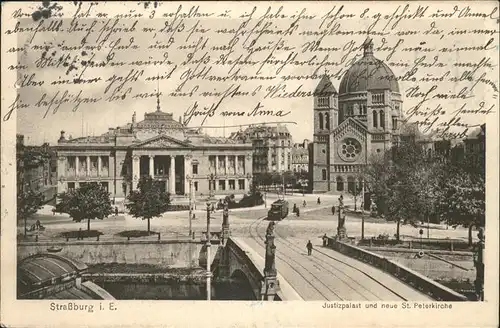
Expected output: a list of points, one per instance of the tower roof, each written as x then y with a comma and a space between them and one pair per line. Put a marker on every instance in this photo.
368, 73
325, 87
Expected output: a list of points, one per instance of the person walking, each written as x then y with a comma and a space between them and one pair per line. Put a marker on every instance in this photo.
309, 247
319, 201
325, 240
333, 210
304, 203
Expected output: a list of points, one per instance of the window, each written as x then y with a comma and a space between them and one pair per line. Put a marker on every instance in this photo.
340, 184
241, 184
394, 123
195, 186
222, 184
231, 185
321, 121
382, 119
71, 186
327, 121
350, 111
375, 119
105, 186
323, 102
323, 174
195, 168
362, 109
378, 98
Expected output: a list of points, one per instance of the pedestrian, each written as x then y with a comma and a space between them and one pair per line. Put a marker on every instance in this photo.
325, 239
319, 201
304, 203
294, 208
333, 210
297, 211
116, 211
309, 247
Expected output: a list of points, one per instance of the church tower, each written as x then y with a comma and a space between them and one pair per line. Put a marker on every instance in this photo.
325, 121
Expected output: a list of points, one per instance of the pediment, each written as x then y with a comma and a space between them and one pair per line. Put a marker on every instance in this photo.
350, 126
162, 141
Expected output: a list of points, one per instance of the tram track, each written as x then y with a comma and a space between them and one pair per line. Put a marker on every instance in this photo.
295, 247
254, 226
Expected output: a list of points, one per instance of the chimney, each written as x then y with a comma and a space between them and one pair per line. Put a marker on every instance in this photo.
62, 138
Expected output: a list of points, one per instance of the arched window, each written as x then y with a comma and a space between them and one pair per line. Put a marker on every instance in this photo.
375, 119
327, 121
323, 174
340, 184
382, 119
321, 121
351, 184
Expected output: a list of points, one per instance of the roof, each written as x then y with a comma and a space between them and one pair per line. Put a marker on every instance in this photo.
39, 269
368, 73
477, 132
325, 87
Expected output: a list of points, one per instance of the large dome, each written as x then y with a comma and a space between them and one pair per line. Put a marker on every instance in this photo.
368, 73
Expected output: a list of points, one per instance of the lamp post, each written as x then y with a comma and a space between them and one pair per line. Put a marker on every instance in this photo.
211, 179
209, 273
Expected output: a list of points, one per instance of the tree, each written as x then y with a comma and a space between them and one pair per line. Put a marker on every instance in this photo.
148, 201
89, 202
463, 199
28, 203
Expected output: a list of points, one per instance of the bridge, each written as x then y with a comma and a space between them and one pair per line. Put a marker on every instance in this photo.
338, 271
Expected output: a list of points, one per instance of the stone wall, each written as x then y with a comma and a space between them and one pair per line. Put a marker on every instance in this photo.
164, 253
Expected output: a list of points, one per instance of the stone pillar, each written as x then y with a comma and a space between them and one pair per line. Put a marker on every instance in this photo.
77, 164
226, 164
187, 171
278, 164
152, 166
270, 284
88, 166
216, 164
227, 184
171, 175
99, 166
136, 162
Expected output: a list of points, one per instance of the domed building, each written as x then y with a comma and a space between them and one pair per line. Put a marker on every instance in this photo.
350, 125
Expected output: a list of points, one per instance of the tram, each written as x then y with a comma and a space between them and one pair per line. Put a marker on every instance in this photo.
278, 211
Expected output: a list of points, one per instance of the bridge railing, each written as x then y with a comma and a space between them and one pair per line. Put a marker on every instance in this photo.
413, 278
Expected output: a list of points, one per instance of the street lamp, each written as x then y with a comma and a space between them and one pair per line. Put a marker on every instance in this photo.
211, 179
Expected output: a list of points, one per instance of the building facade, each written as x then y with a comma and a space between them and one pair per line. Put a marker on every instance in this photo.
272, 147
184, 159
36, 168
300, 157
361, 119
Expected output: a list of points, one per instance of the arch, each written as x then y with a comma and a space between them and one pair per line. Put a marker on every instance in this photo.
375, 119
340, 183
321, 121
351, 184
240, 287
327, 121
323, 174
382, 119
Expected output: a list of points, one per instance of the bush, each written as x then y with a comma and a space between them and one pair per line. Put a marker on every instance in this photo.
81, 234
178, 207
135, 233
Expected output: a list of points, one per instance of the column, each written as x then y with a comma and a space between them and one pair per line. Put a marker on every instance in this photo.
99, 165
152, 166
226, 165
88, 166
216, 164
227, 183
279, 159
187, 171
135, 171
77, 164
171, 175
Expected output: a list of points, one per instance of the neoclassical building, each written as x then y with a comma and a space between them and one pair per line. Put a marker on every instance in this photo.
363, 118
158, 146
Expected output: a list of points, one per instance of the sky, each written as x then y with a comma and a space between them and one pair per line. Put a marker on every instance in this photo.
390, 35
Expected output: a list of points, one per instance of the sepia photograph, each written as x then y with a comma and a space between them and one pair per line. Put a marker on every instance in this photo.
250, 152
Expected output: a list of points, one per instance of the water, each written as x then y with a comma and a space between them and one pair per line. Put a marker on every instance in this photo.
182, 291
